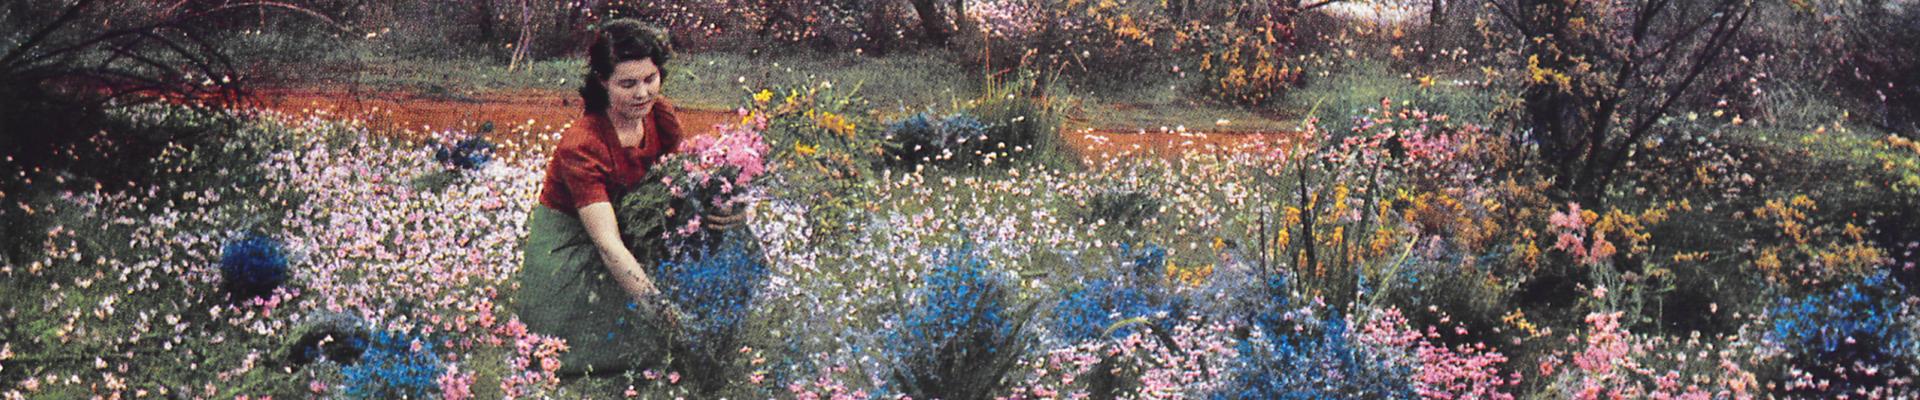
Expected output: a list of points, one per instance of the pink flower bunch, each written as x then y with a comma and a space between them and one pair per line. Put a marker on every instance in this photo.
730, 158
1615, 363
1572, 229
825, 388
1008, 18
1193, 368
455, 385
1441, 372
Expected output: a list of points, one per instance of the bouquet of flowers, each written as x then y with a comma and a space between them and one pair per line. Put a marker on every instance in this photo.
713, 174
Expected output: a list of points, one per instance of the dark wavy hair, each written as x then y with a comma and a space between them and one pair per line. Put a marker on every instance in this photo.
620, 41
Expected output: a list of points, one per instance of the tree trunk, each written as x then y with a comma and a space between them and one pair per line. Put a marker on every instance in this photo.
933, 20
489, 33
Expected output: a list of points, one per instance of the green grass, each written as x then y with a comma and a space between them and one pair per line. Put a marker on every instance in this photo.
1360, 84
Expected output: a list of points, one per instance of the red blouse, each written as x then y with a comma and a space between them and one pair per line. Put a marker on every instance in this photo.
590, 166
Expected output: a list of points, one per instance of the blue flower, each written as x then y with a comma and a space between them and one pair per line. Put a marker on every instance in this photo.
959, 338
393, 368
1316, 361
1836, 336
471, 153
252, 267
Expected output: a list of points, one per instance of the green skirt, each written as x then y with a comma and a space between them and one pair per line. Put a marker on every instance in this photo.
568, 293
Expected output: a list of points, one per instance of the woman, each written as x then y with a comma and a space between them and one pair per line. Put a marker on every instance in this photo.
579, 281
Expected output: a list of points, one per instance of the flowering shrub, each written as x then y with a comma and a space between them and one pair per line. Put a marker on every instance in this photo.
1093, 311
823, 147
1246, 68
922, 139
958, 339
1312, 360
252, 267
394, 365
1856, 339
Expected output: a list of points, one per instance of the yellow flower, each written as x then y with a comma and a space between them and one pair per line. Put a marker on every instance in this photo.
763, 96
805, 149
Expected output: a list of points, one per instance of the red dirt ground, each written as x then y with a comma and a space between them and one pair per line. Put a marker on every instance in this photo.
519, 116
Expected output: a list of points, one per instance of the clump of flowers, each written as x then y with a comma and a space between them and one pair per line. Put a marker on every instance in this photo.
1440, 372
395, 365
1571, 227
959, 339
1614, 362
1853, 340
1313, 359
716, 290
252, 267
924, 139
1097, 309
1103, 306
467, 154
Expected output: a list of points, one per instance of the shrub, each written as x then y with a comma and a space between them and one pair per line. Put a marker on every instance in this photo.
395, 365
252, 267
1124, 208
1241, 67
959, 339
1021, 124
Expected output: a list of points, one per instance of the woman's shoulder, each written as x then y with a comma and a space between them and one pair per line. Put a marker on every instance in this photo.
583, 136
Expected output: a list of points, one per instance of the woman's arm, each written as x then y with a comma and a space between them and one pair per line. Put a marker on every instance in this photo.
605, 232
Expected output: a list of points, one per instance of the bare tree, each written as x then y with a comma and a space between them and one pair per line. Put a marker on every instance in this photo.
62, 62
1598, 76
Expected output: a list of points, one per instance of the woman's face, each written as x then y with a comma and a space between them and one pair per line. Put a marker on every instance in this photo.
633, 88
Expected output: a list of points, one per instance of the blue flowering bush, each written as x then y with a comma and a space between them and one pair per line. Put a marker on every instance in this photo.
960, 338
394, 365
1315, 359
1305, 351
1854, 339
924, 139
252, 266
715, 292
1101, 304
466, 154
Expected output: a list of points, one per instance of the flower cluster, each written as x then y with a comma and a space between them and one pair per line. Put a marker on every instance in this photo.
1854, 339
958, 338
715, 290
924, 139
252, 267
466, 154
711, 174
1315, 359
395, 365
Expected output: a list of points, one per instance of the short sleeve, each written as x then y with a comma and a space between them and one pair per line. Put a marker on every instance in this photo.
584, 174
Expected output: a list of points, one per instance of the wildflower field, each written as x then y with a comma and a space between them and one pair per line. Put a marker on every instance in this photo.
1467, 204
